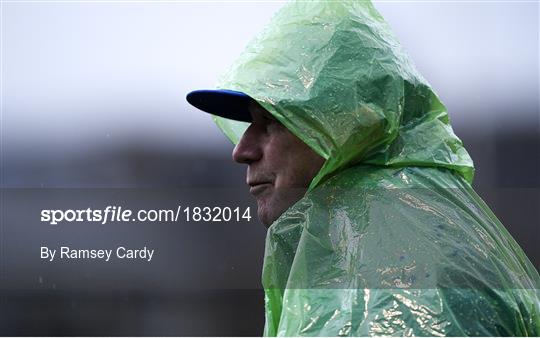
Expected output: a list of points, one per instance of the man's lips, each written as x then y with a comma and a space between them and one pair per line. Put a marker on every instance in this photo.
258, 187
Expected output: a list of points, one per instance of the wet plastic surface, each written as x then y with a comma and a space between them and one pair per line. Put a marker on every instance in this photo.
390, 238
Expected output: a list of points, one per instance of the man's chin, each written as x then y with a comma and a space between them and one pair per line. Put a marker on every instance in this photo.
271, 205
265, 221
265, 211
264, 215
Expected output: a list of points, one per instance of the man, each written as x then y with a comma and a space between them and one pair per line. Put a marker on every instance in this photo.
374, 226
280, 166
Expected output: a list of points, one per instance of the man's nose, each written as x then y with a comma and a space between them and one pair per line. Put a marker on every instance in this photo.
249, 149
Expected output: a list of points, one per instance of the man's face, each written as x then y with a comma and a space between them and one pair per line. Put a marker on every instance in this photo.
280, 166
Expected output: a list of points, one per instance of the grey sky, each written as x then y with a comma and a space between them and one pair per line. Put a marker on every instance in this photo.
88, 73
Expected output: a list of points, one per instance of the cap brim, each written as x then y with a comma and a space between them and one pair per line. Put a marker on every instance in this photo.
229, 104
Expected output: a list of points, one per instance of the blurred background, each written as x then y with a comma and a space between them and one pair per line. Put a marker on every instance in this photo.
93, 96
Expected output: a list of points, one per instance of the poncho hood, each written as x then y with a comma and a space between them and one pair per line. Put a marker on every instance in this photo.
335, 75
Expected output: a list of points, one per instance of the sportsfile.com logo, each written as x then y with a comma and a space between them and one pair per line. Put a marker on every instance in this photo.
120, 214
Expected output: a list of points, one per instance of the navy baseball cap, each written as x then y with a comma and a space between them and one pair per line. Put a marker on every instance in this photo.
229, 104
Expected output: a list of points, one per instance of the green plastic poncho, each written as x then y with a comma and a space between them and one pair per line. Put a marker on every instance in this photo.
390, 238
